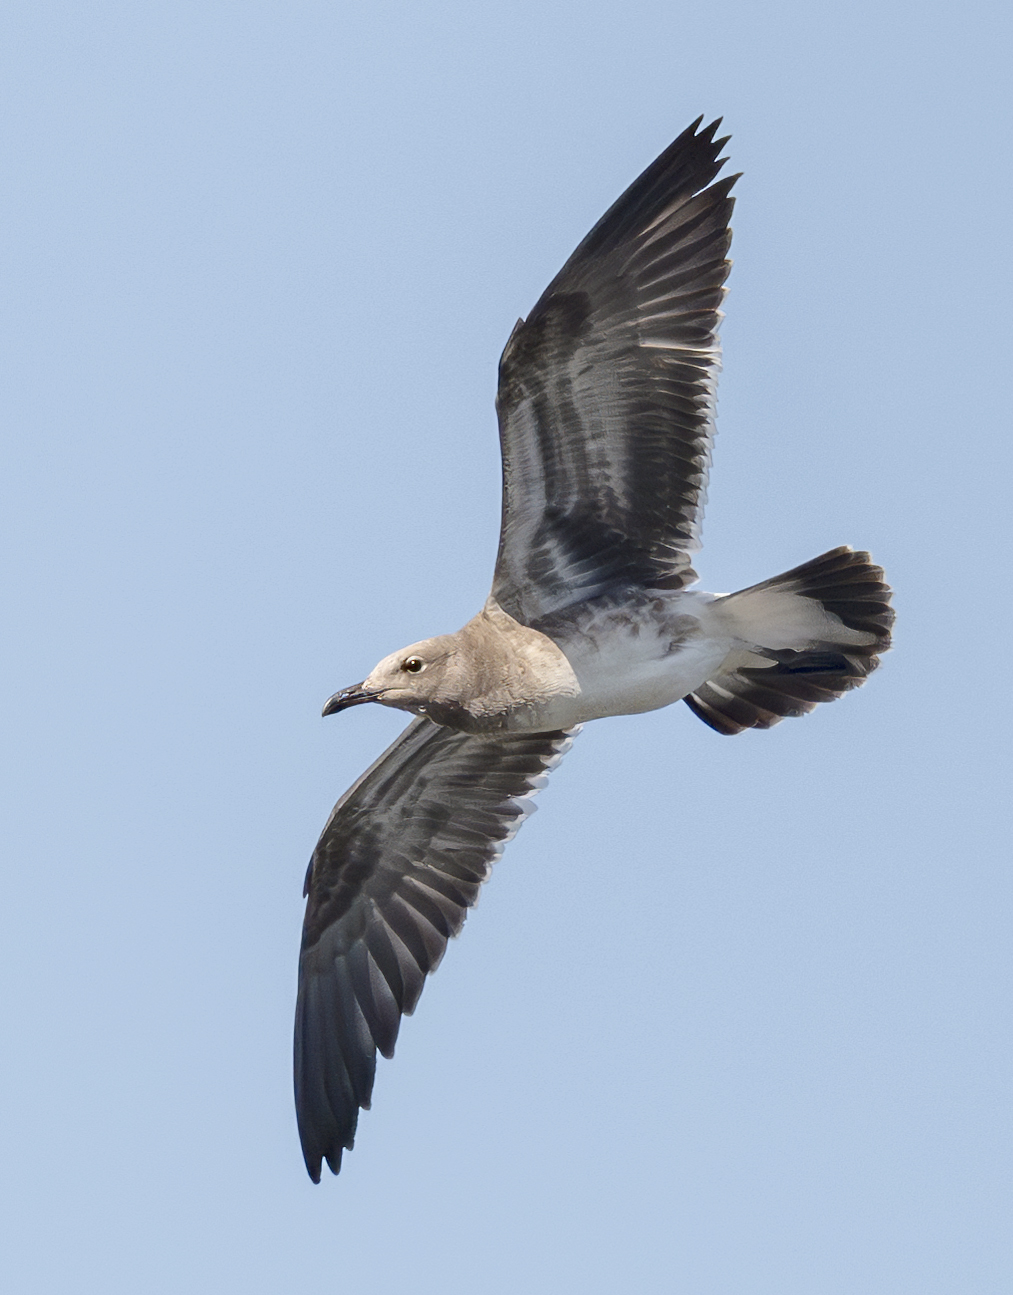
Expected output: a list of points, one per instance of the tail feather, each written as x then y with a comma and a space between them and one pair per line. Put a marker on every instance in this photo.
813, 634
849, 585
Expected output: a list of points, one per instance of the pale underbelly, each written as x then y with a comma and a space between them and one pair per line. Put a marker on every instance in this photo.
626, 664
614, 685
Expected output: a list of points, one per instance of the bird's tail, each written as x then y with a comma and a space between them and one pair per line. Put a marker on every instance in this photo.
807, 636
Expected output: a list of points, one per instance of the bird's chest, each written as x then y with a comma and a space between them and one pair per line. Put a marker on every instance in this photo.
640, 657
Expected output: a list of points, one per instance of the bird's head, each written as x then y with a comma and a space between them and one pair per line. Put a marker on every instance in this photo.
414, 679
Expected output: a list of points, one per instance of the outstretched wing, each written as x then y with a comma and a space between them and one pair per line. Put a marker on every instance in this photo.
606, 394
399, 864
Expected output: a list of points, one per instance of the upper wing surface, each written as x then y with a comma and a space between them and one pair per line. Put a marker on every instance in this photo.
606, 395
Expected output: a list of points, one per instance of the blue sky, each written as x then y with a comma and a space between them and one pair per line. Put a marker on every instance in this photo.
733, 1014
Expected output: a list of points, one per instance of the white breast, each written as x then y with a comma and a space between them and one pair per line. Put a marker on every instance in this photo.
637, 658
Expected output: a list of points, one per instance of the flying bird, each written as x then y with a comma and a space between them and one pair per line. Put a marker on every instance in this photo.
606, 415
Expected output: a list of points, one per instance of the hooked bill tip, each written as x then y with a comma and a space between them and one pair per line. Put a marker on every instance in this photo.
353, 696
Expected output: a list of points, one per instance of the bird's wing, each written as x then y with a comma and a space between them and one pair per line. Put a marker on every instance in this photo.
396, 869
606, 395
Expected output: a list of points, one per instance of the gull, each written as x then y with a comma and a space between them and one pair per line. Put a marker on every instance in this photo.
606, 404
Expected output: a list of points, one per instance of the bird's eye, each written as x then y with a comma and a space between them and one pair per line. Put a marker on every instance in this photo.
413, 664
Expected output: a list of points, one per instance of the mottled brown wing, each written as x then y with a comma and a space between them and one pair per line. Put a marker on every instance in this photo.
399, 864
606, 395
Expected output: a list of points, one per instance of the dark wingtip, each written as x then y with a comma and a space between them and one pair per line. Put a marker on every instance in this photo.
316, 1156
706, 135
694, 135
315, 1162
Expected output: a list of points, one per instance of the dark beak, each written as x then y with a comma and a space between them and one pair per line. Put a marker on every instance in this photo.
353, 696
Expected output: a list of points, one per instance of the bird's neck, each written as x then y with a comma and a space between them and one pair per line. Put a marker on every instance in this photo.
508, 678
